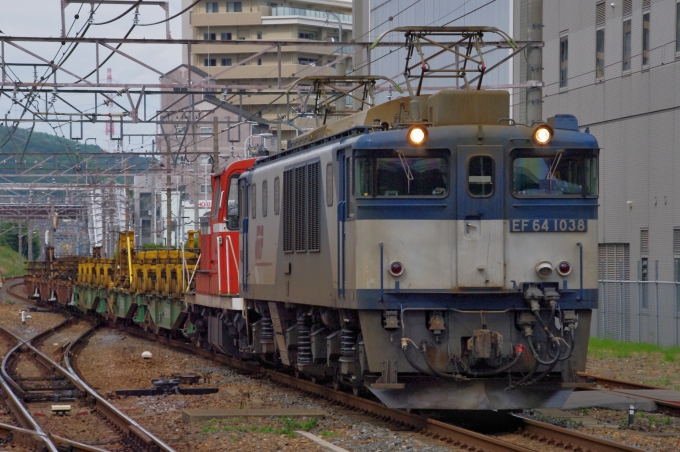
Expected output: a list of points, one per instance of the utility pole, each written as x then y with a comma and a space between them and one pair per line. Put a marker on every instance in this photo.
29, 234
534, 94
21, 257
168, 202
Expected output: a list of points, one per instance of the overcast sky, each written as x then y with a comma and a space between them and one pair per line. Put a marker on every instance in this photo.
42, 18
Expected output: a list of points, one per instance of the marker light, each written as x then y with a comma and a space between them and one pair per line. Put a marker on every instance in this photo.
396, 269
544, 269
417, 135
543, 134
563, 268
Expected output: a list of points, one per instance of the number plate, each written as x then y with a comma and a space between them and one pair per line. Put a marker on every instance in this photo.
548, 225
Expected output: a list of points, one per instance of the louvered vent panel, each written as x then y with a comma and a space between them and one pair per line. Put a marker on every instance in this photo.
600, 14
676, 241
646, 4
644, 242
313, 175
253, 201
329, 184
288, 211
627, 7
277, 196
300, 209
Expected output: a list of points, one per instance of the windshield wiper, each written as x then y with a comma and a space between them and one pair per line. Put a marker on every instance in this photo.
553, 165
407, 170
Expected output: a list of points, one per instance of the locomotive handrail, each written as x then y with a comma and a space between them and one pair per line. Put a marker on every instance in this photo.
233, 256
580, 269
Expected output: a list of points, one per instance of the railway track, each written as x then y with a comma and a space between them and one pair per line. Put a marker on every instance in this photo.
61, 383
536, 435
669, 407
539, 433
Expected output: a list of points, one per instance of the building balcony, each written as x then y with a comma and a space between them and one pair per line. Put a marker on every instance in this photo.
217, 48
266, 73
226, 19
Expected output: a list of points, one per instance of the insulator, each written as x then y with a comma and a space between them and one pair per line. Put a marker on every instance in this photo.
267, 328
304, 355
348, 341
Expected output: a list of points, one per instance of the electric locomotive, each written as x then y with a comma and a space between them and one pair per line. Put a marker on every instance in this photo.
428, 250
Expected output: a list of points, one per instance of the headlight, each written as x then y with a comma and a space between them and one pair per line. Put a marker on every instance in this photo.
544, 269
417, 135
543, 134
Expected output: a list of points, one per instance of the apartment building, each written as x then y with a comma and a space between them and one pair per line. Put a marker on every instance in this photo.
256, 78
188, 143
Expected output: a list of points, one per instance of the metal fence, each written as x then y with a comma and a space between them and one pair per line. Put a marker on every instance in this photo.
642, 310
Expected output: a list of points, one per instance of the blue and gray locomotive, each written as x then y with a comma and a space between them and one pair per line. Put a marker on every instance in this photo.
428, 250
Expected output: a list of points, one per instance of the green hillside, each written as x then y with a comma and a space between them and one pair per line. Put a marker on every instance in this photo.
9, 262
18, 156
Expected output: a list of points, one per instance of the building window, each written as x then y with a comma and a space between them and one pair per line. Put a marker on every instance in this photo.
564, 60
179, 130
209, 36
599, 54
226, 62
626, 44
259, 35
645, 39
307, 61
226, 36
210, 62
234, 7
206, 131
206, 189
211, 7
644, 268
259, 61
306, 35
599, 40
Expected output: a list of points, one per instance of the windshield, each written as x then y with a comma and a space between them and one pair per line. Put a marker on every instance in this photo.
561, 173
396, 173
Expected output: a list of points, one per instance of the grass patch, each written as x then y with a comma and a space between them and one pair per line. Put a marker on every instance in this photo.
9, 262
609, 348
328, 434
289, 427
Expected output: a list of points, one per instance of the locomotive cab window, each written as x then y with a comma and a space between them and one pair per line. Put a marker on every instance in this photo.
217, 193
567, 172
395, 173
232, 204
480, 176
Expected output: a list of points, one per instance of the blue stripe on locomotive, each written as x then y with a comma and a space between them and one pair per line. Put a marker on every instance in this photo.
455, 206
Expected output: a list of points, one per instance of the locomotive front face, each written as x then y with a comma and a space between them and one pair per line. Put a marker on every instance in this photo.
464, 246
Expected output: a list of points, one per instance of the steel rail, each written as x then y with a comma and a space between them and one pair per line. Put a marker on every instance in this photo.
621, 386
571, 439
136, 432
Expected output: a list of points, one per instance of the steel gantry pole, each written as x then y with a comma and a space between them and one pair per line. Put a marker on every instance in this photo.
534, 94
